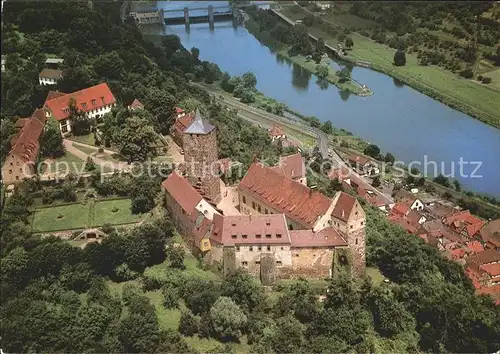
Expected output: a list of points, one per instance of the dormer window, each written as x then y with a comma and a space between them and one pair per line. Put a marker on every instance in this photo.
233, 237
278, 235
93, 101
268, 223
268, 235
84, 105
258, 236
244, 236
102, 98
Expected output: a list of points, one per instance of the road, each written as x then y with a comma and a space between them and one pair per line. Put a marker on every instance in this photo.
322, 140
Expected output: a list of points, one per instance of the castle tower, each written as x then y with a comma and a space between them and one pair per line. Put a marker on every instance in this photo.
350, 219
200, 156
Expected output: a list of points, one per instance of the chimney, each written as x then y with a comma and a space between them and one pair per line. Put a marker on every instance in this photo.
343, 213
311, 190
250, 217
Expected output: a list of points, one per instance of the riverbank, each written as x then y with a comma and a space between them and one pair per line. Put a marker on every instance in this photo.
479, 101
350, 86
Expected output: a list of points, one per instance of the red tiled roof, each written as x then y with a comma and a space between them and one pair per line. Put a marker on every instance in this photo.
26, 142
359, 159
100, 93
202, 230
295, 200
475, 246
485, 257
341, 174
462, 219
250, 230
457, 253
51, 73
291, 166
490, 233
437, 228
414, 217
493, 291
20, 122
136, 104
492, 269
54, 94
183, 122
276, 131
400, 209
343, 207
404, 223
328, 237
179, 110
182, 191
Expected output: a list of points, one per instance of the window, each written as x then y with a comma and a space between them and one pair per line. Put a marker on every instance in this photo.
20, 170
268, 248
258, 236
278, 235
237, 248
278, 263
17, 178
234, 236
84, 105
258, 208
351, 226
11, 164
250, 248
260, 248
268, 223
244, 236
282, 248
257, 262
102, 98
356, 241
362, 223
10, 171
244, 200
244, 263
253, 205
265, 211
93, 101
233, 225
268, 235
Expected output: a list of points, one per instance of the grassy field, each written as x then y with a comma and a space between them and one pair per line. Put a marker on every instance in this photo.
75, 216
480, 101
67, 163
103, 213
84, 139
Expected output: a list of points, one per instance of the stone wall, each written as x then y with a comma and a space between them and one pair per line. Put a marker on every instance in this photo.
181, 221
312, 262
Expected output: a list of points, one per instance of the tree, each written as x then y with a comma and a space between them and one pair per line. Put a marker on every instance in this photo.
189, 324
389, 158
247, 96
90, 164
442, 180
249, 80
344, 74
320, 46
372, 150
170, 296
109, 65
243, 290
400, 58
137, 140
51, 141
176, 256
348, 42
80, 123
321, 71
195, 53
228, 319
457, 185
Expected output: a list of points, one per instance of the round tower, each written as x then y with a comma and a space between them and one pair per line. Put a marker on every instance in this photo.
200, 157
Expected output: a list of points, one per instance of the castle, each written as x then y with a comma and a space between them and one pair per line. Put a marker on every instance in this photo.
284, 229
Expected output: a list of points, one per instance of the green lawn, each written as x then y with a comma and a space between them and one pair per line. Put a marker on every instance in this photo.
375, 274
85, 149
80, 215
103, 213
84, 139
480, 101
68, 162
73, 216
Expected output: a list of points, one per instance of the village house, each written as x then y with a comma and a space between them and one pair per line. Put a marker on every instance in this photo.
363, 165
276, 133
94, 101
413, 202
490, 234
135, 105
182, 122
483, 269
463, 223
49, 76
20, 162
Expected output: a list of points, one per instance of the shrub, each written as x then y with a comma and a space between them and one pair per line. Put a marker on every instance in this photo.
486, 80
480, 78
400, 58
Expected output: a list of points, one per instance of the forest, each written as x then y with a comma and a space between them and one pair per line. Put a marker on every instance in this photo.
59, 298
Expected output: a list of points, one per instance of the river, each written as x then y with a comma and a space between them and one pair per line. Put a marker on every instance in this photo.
397, 118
